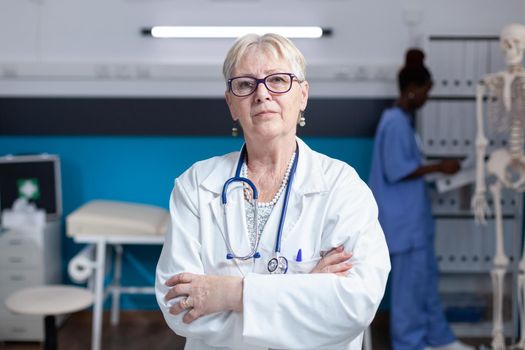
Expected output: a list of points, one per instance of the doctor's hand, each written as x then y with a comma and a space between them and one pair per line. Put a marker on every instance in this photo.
335, 261
204, 294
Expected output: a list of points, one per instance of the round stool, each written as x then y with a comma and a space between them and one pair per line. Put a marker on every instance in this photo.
49, 301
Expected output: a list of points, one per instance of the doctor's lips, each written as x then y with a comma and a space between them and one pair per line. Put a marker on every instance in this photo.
264, 112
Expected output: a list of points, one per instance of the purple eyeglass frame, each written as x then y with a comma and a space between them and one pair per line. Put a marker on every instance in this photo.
262, 81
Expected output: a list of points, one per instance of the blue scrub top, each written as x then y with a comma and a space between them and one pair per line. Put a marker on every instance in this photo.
404, 205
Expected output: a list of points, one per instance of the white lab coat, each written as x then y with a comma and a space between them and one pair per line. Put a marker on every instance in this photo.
329, 205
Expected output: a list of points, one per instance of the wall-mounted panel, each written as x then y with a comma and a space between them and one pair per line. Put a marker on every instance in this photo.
171, 116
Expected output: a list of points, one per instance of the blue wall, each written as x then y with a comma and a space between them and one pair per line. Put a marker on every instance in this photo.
142, 169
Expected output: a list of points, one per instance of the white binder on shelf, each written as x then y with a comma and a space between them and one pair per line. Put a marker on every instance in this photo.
470, 68
426, 121
455, 67
455, 121
496, 61
437, 59
483, 63
469, 127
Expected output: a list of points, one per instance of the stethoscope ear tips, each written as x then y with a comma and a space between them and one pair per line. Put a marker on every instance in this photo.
229, 256
257, 255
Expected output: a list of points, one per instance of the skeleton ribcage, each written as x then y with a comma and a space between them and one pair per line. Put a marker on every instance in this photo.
510, 122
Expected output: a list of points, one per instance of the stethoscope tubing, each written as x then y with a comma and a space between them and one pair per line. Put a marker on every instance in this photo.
253, 253
285, 204
237, 178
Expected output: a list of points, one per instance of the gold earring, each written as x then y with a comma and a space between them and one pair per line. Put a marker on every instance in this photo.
235, 130
302, 119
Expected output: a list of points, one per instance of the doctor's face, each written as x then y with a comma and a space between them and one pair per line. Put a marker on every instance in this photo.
265, 115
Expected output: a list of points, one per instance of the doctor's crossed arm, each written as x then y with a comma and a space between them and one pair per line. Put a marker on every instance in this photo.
336, 261
207, 294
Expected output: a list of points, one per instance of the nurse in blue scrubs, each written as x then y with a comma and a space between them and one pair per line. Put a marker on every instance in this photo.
396, 179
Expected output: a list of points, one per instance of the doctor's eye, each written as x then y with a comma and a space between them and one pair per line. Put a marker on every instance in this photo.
276, 79
244, 84
280, 80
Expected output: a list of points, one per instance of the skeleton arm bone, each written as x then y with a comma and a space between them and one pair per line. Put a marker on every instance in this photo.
479, 202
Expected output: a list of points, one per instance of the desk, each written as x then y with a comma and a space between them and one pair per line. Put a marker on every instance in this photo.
101, 242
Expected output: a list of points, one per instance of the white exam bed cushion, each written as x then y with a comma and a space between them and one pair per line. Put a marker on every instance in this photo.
102, 217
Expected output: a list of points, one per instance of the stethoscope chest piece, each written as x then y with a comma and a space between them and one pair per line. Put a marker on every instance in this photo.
278, 265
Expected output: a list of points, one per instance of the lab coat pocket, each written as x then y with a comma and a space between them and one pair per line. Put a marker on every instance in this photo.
304, 266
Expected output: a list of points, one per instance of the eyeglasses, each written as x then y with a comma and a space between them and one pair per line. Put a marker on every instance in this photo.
278, 83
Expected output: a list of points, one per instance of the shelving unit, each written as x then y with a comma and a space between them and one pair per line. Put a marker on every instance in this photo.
447, 126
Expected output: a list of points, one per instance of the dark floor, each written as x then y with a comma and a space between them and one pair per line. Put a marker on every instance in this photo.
147, 330
136, 330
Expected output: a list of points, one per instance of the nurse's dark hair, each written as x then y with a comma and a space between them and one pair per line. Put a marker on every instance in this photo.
414, 70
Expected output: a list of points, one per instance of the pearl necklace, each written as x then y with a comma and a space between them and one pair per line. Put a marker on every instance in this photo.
247, 194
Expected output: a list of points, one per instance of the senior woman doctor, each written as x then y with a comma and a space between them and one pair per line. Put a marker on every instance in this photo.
216, 283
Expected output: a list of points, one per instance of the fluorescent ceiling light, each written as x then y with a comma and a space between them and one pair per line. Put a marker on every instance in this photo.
233, 32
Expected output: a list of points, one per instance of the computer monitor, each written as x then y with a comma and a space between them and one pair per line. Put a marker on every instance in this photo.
35, 177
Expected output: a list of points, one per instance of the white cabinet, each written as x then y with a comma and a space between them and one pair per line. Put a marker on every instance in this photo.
27, 259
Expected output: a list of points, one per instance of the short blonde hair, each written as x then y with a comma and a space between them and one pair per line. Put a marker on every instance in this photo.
279, 46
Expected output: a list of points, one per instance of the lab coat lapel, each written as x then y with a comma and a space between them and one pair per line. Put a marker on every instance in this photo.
214, 183
232, 224
309, 180
294, 212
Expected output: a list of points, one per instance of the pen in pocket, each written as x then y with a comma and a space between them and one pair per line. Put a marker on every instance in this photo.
299, 256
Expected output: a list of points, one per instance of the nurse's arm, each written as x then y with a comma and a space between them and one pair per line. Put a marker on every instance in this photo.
446, 166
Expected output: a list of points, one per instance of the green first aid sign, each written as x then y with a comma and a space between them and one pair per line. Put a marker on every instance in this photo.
28, 188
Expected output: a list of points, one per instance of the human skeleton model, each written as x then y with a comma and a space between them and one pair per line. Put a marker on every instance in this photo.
506, 113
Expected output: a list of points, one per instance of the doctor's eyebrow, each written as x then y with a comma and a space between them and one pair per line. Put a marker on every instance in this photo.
266, 72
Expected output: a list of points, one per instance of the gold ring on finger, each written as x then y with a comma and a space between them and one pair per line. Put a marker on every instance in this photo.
185, 303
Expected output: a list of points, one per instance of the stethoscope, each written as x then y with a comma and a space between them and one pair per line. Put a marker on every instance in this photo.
278, 264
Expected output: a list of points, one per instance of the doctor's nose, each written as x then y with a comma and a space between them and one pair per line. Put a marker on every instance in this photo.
262, 93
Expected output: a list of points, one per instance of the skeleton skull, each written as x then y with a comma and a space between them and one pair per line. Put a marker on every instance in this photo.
512, 41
